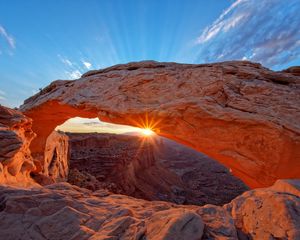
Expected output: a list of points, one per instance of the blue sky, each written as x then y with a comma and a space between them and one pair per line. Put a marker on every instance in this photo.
41, 41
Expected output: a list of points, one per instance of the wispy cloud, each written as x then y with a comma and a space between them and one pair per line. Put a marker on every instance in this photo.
221, 24
263, 31
73, 70
9, 39
65, 60
74, 74
2, 95
88, 65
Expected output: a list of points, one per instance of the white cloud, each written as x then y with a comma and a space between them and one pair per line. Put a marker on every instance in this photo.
2, 95
10, 40
73, 70
87, 64
220, 24
74, 74
231, 23
267, 32
65, 60
209, 33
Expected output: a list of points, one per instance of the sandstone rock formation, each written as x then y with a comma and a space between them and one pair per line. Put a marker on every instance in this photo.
16, 162
239, 113
291, 186
218, 223
54, 165
150, 168
63, 211
293, 70
272, 213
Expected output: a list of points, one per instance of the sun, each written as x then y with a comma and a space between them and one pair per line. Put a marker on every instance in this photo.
147, 132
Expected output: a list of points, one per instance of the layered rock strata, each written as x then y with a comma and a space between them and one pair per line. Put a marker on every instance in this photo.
16, 162
239, 113
53, 165
152, 168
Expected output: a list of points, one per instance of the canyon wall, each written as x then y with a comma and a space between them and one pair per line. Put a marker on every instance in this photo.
120, 163
16, 162
151, 168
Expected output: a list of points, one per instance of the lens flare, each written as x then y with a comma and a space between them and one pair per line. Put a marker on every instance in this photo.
149, 126
147, 132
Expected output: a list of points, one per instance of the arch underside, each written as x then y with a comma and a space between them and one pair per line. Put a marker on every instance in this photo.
235, 112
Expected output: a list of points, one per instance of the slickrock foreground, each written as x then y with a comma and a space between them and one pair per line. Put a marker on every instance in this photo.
239, 113
63, 211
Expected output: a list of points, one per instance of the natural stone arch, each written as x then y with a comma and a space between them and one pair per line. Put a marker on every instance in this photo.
240, 113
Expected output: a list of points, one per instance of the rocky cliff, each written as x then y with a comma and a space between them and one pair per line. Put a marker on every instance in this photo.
53, 165
16, 162
239, 113
152, 168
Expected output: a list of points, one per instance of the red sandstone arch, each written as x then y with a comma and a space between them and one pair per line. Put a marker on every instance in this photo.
241, 114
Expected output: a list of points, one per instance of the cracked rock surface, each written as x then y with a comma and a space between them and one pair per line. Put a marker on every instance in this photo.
239, 113
16, 162
64, 211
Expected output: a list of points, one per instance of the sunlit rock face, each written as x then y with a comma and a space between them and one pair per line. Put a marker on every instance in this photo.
271, 213
15, 136
63, 211
54, 166
149, 167
239, 113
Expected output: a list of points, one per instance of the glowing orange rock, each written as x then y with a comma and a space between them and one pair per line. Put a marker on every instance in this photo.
16, 162
239, 113
54, 166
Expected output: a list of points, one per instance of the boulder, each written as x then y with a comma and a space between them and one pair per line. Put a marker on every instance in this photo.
176, 224
218, 222
270, 213
291, 186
